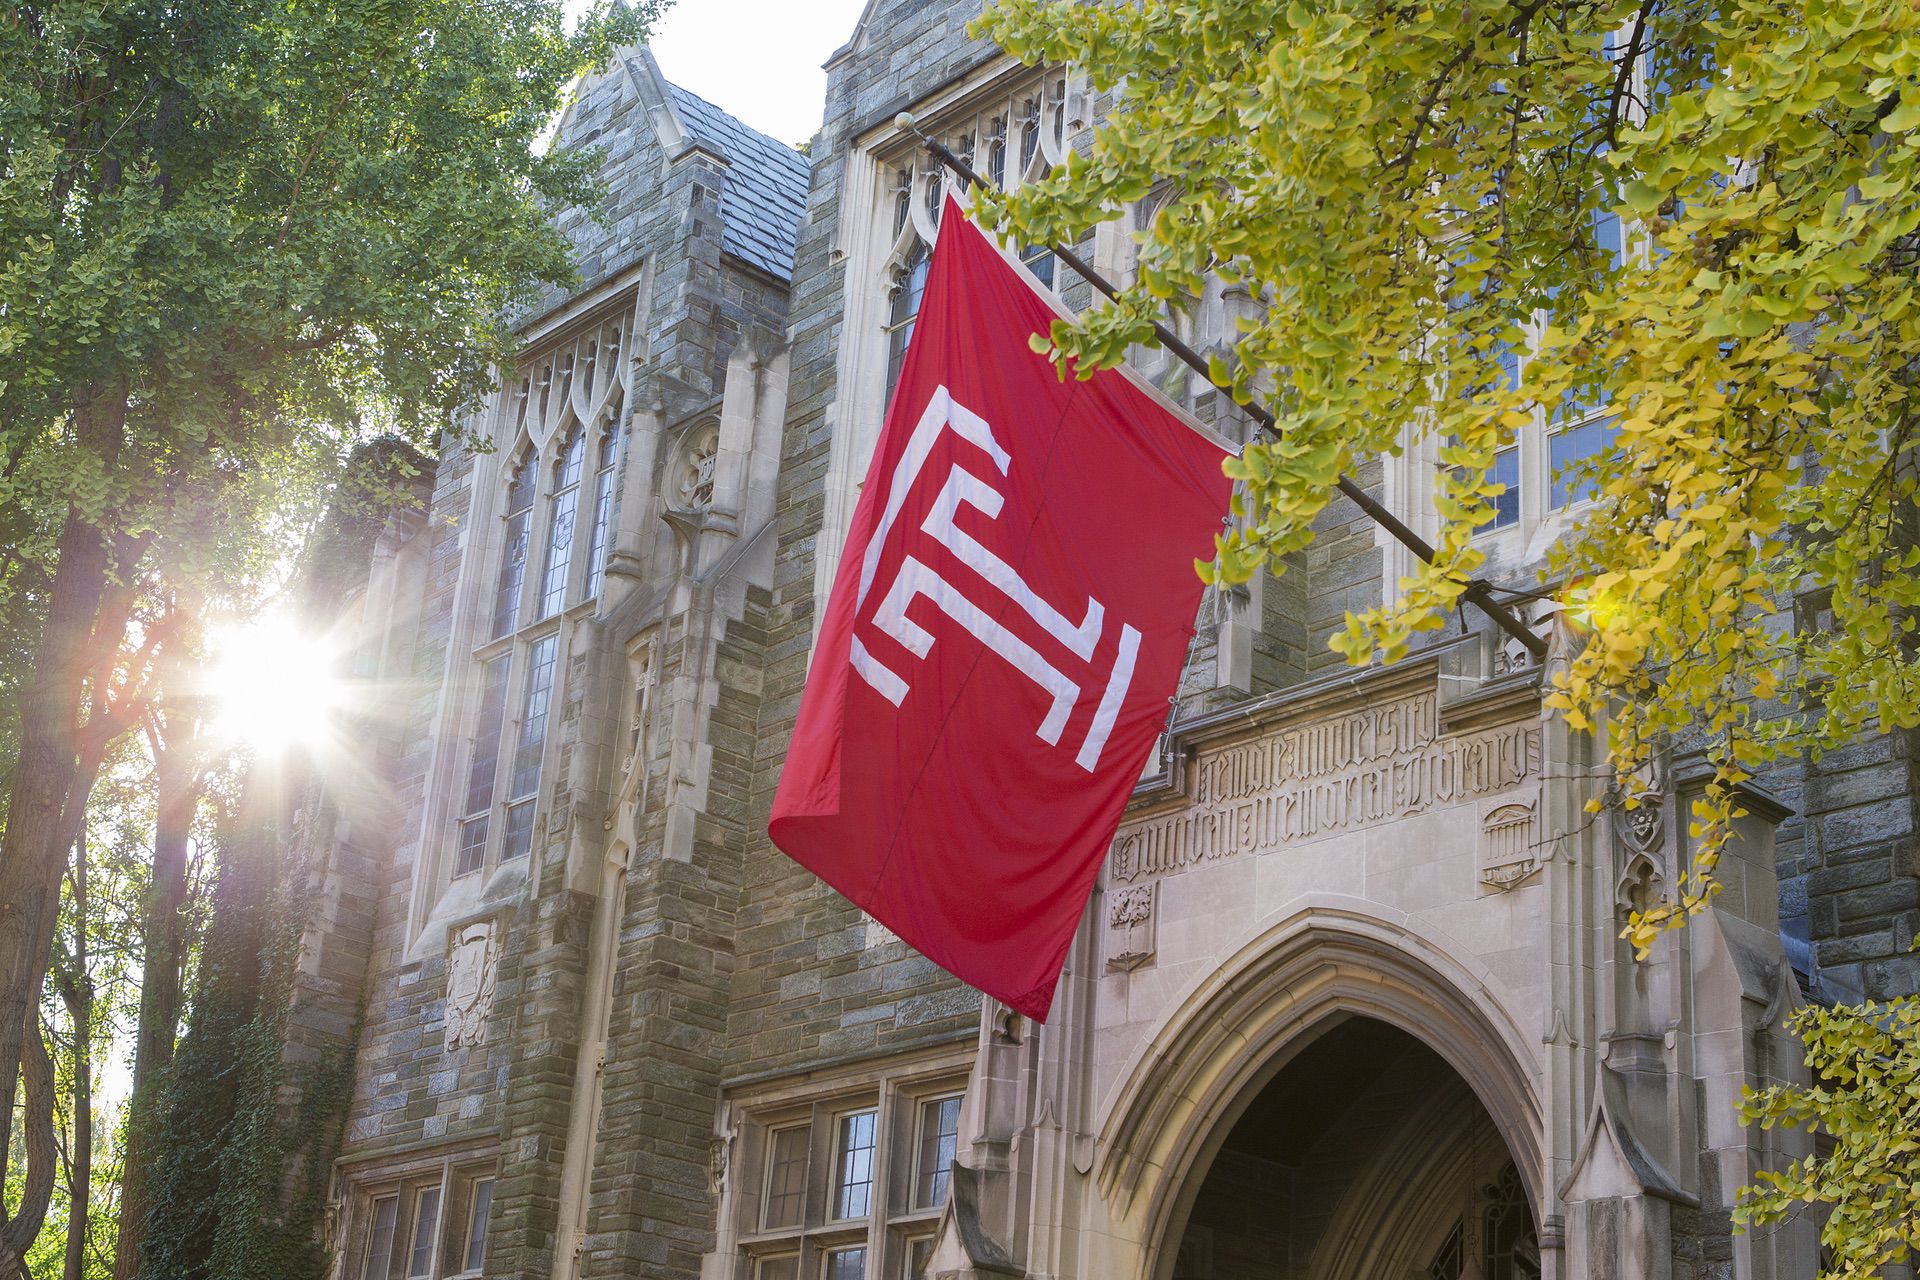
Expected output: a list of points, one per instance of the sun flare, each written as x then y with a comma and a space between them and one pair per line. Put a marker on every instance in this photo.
274, 684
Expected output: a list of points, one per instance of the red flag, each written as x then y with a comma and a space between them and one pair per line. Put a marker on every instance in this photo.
1010, 616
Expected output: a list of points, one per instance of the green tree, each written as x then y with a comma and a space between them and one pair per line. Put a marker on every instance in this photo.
232, 235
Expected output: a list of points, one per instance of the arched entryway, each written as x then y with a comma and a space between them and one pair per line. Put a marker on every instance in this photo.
1366, 1156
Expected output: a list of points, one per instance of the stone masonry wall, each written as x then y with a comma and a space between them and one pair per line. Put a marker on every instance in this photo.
807, 989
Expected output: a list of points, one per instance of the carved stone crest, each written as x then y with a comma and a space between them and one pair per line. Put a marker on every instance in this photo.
1507, 851
1130, 925
1642, 828
471, 961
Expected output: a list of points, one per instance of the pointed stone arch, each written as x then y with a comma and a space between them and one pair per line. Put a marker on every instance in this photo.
1239, 1028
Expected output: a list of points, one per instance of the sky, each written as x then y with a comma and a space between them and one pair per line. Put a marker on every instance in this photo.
758, 59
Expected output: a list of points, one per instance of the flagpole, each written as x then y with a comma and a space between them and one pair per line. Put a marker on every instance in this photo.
1477, 592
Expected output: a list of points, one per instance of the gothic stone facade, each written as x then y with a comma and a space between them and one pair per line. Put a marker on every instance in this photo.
1348, 1001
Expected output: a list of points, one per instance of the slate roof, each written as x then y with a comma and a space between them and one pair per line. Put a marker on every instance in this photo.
766, 187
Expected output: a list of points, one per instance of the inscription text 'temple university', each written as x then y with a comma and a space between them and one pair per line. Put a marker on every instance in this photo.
1324, 778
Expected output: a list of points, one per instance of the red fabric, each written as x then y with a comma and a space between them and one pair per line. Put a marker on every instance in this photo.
948, 815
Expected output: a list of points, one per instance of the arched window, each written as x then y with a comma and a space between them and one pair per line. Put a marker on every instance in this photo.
602, 512
907, 295
566, 507
1025, 123
578, 381
513, 561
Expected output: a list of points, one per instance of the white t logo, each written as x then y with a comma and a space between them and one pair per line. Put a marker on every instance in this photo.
915, 580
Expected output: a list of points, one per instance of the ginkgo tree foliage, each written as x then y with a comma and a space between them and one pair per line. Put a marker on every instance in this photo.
1453, 217
1701, 214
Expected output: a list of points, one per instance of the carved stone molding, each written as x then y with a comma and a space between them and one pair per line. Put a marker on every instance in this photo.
472, 958
1508, 853
1642, 828
1131, 914
1323, 778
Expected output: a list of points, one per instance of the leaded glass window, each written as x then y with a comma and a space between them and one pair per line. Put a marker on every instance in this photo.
513, 561
565, 502
602, 513
853, 1179
939, 1142
426, 1222
1025, 122
561, 416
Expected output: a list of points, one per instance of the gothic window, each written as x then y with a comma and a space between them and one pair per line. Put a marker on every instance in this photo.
1496, 1236
846, 1180
939, 1141
602, 512
1024, 122
426, 1221
563, 413
908, 291
524, 780
484, 765
513, 560
565, 501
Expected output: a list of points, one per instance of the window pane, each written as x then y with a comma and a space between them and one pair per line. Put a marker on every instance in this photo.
472, 853
784, 1267
906, 306
426, 1222
1040, 262
602, 516
1567, 449
939, 1140
853, 1186
486, 736
847, 1264
477, 1224
533, 719
920, 1258
513, 563
518, 840
786, 1178
379, 1259
566, 505
1506, 507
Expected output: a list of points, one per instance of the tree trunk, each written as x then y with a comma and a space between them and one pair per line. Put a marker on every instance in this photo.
34, 848
163, 937
77, 991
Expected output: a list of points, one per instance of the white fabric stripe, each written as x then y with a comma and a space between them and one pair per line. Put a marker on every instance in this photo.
917, 580
885, 681
1118, 682
963, 486
941, 412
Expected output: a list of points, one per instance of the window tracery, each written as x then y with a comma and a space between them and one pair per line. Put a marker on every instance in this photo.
1025, 122
566, 408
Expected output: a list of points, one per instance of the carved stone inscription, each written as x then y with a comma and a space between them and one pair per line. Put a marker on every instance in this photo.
1324, 778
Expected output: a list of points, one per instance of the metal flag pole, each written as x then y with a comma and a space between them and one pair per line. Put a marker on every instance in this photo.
1477, 592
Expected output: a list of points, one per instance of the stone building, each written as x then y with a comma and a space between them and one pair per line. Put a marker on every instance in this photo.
1347, 1003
